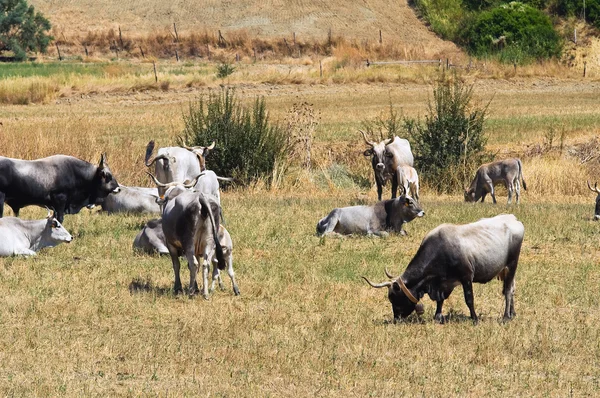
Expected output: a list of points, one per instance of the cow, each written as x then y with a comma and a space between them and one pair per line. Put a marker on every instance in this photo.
386, 156
151, 240
63, 183
190, 223
507, 171
138, 200
452, 255
181, 164
409, 179
597, 209
377, 219
26, 237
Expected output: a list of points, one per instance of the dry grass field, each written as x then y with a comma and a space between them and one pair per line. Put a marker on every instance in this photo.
94, 319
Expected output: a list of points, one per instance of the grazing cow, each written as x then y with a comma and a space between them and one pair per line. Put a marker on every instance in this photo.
151, 239
386, 157
63, 183
452, 255
137, 200
597, 209
26, 237
190, 224
387, 215
409, 179
507, 171
181, 164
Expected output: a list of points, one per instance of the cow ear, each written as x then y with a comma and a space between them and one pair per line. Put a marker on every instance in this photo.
102, 160
368, 152
396, 286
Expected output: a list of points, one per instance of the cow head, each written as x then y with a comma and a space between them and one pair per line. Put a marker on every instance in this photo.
54, 233
173, 189
597, 209
402, 300
378, 154
106, 183
469, 195
199, 151
401, 210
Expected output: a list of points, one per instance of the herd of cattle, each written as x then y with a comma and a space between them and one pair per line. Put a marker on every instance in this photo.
187, 198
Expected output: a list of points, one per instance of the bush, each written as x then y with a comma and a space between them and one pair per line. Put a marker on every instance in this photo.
570, 8
247, 144
514, 28
224, 69
450, 144
22, 29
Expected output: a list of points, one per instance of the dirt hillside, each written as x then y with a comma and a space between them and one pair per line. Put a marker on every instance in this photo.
268, 18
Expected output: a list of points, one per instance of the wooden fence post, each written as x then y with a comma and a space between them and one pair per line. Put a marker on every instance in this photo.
86, 50
176, 55
254, 51
380, 37
142, 51
207, 51
320, 68
584, 68
58, 49
121, 38
155, 75
176, 35
294, 39
116, 48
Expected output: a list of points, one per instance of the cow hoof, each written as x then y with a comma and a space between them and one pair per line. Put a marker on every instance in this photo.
236, 291
206, 296
439, 318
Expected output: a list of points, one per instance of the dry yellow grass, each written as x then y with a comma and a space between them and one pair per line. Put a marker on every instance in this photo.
93, 319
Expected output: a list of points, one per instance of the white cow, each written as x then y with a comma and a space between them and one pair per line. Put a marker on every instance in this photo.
26, 237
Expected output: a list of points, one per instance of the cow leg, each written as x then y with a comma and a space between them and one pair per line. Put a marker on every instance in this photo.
236, 289
216, 277
394, 185
491, 189
438, 312
510, 189
176, 267
2, 198
517, 189
468, 290
205, 266
193, 267
59, 202
509, 291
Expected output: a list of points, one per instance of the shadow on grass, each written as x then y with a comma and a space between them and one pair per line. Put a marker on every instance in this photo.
139, 285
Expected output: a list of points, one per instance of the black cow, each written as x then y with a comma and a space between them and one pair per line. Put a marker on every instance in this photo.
63, 183
452, 255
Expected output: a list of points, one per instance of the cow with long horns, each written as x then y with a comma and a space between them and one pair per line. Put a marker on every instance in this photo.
597, 209
452, 255
386, 157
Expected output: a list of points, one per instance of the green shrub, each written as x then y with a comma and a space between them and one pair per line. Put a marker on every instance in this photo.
225, 69
450, 144
22, 29
247, 144
516, 28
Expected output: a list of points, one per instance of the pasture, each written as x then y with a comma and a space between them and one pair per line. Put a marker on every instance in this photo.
93, 318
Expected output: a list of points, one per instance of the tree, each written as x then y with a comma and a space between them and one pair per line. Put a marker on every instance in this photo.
22, 29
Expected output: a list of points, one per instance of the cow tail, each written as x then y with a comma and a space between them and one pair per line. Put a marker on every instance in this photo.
521, 174
149, 150
215, 229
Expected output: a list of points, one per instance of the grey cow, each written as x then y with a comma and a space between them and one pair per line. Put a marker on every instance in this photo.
190, 224
139, 200
151, 239
387, 215
452, 255
507, 171
386, 157
597, 208
26, 237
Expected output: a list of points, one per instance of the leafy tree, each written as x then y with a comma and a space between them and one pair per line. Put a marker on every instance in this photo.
450, 144
515, 28
22, 29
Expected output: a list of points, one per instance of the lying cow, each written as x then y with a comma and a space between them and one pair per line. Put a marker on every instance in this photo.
151, 240
409, 179
386, 156
190, 224
507, 171
452, 255
138, 200
63, 183
388, 215
26, 237
597, 209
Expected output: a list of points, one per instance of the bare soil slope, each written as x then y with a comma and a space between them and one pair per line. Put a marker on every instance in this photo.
267, 18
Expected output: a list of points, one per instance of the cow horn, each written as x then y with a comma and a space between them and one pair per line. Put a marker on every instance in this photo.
211, 146
193, 182
387, 141
595, 189
183, 144
372, 144
387, 273
158, 183
378, 285
49, 212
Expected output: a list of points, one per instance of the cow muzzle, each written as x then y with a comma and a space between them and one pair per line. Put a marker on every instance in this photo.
421, 213
596, 217
380, 166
